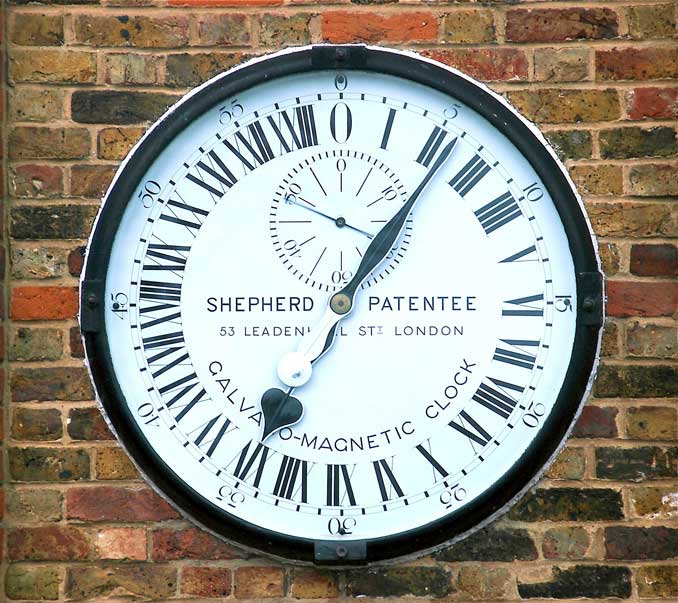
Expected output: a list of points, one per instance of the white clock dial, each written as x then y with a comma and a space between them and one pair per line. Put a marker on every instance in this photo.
446, 372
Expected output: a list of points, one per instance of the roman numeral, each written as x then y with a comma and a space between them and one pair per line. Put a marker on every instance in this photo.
473, 432
496, 400
164, 340
287, 478
339, 486
497, 213
523, 306
301, 129
387, 129
529, 254
472, 173
434, 463
381, 469
209, 439
429, 150
186, 407
160, 291
223, 178
520, 358
166, 257
257, 156
192, 218
247, 460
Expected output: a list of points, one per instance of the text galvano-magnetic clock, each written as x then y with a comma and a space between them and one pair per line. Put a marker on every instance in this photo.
341, 305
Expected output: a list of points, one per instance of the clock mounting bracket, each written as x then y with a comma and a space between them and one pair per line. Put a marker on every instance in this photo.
331, 552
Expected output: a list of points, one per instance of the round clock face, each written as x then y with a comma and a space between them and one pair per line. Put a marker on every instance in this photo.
341, 305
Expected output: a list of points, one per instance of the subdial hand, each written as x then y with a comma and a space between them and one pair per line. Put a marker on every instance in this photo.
339, 222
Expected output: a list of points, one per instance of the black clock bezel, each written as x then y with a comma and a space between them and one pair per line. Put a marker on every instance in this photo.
582, 362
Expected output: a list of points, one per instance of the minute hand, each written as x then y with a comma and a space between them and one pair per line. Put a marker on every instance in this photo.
380, 246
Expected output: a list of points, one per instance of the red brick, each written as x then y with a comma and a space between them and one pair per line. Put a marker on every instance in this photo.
345, 26
107, 503
190, 543
596, 422
44, 303
121, 543
314, 584
657, 103
211, 3
211, 582
547, 25
637, 64
488, 64
259, 582
50, 543
36, 181
76, 260
654, 260
639, 298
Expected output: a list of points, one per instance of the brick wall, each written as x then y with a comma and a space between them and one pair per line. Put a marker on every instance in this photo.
83, 80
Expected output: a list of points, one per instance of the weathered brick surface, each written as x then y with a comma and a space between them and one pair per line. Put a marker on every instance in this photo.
190, 543
84, 79
393, 582
107, 503
654, 260
590, 581
546, 25
212, 582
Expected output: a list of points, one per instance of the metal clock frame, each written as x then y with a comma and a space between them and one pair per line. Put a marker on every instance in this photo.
590, 311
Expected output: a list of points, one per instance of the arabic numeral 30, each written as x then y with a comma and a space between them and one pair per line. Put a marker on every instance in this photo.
341, 526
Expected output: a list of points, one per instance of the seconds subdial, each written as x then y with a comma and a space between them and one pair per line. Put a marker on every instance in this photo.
326, 211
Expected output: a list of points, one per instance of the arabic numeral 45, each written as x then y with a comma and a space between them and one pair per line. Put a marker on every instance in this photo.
147, 412
119, 302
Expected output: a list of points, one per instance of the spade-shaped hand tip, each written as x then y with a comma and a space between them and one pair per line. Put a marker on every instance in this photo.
280, 410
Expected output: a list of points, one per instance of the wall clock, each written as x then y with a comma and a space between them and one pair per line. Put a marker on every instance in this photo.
341, 305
